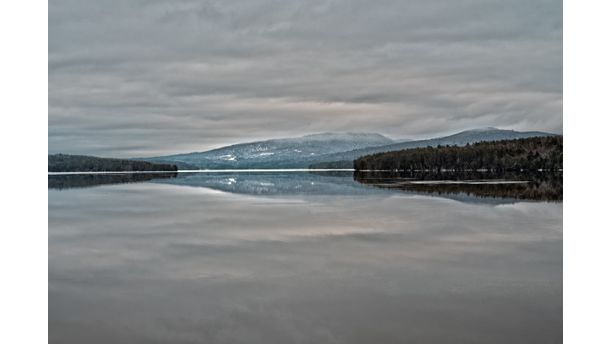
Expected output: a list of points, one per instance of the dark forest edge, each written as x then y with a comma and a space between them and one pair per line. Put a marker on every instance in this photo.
527, 154
84, 163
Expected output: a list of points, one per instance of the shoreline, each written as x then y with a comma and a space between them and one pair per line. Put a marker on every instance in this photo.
208, 171
272, 170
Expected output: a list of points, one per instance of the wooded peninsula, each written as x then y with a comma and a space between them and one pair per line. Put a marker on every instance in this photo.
84, 163
528, 154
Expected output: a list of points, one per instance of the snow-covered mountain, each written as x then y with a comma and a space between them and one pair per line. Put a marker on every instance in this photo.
318, 149
277, 153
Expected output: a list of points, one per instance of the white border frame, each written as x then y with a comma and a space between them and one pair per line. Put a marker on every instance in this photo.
23, 141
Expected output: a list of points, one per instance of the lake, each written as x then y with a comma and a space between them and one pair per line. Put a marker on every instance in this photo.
297, 257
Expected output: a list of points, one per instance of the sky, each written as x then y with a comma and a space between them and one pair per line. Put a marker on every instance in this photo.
142, 78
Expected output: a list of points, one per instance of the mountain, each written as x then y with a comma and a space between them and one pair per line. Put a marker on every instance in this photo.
327, 150
276, 153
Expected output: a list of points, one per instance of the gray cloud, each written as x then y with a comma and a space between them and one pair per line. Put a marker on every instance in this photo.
138, 78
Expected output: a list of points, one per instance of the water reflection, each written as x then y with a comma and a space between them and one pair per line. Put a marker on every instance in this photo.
71, 181
465, 187
158, 262
520, 186
277, 183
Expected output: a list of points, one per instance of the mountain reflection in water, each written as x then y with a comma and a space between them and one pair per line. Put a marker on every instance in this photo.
465, 187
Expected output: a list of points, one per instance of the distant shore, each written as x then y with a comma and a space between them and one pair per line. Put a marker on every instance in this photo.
65, 163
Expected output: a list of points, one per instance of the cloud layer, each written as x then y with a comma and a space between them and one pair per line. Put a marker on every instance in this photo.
141, 78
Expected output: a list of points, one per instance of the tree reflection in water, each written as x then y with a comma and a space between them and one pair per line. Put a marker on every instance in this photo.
543, 186
69, 181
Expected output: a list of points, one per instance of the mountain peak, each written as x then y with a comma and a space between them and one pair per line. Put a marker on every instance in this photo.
485, 129
344, 136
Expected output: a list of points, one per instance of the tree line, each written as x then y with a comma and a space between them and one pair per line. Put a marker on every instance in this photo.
84, 163
528, 154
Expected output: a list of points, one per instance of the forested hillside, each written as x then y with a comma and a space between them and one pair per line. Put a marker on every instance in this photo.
83, 163
508, 155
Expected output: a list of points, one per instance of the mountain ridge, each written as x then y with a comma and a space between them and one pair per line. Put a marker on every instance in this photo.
314, 137
276, 151
315, 150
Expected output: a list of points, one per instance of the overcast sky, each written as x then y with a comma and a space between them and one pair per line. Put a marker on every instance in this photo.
151, 77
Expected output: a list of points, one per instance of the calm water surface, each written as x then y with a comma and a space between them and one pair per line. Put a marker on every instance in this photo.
298, 258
